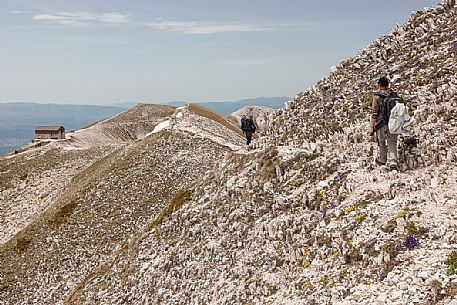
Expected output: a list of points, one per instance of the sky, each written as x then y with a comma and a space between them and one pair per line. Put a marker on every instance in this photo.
104, 52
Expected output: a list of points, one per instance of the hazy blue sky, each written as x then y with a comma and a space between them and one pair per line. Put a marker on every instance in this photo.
109, 51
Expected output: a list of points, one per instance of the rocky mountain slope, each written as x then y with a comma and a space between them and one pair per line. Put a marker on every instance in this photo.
419, 58
186, 216
68, 205
33, 179
308, 219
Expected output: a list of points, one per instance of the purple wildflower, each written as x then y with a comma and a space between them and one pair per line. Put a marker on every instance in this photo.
410, 242
341, 176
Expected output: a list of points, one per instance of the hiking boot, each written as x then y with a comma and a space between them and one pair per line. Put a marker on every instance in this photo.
379, 162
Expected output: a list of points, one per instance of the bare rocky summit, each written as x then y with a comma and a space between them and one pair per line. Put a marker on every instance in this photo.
176, 212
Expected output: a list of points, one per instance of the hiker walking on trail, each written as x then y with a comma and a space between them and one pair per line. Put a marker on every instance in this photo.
387, 141
248, 127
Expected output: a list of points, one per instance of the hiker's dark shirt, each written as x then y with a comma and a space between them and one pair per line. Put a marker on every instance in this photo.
375, 104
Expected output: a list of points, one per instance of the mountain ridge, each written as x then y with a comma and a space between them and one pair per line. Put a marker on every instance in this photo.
226, 107
167, 156
305, 217
19, 119
308, 218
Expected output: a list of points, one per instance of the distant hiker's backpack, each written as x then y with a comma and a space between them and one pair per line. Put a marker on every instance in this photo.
390, 102
244, 124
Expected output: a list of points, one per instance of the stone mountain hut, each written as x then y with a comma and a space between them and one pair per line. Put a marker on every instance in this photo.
49, 132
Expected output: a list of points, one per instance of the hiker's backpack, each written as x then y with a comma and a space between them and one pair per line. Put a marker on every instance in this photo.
400, 122
244, 124
389, 101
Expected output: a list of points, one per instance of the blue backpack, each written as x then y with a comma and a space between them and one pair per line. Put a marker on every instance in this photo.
244, 124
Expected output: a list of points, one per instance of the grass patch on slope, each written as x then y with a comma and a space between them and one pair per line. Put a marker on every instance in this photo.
175, 204
207, 113
63, 213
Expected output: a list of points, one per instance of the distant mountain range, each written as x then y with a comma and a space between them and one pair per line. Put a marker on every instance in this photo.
18, 120
225, 107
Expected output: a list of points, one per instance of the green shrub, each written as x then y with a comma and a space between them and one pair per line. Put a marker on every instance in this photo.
451, 263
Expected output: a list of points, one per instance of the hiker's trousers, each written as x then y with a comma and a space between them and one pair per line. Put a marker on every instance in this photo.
248, 137
387, 143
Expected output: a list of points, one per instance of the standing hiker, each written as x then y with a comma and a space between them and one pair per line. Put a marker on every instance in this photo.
387, 142
248, 127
